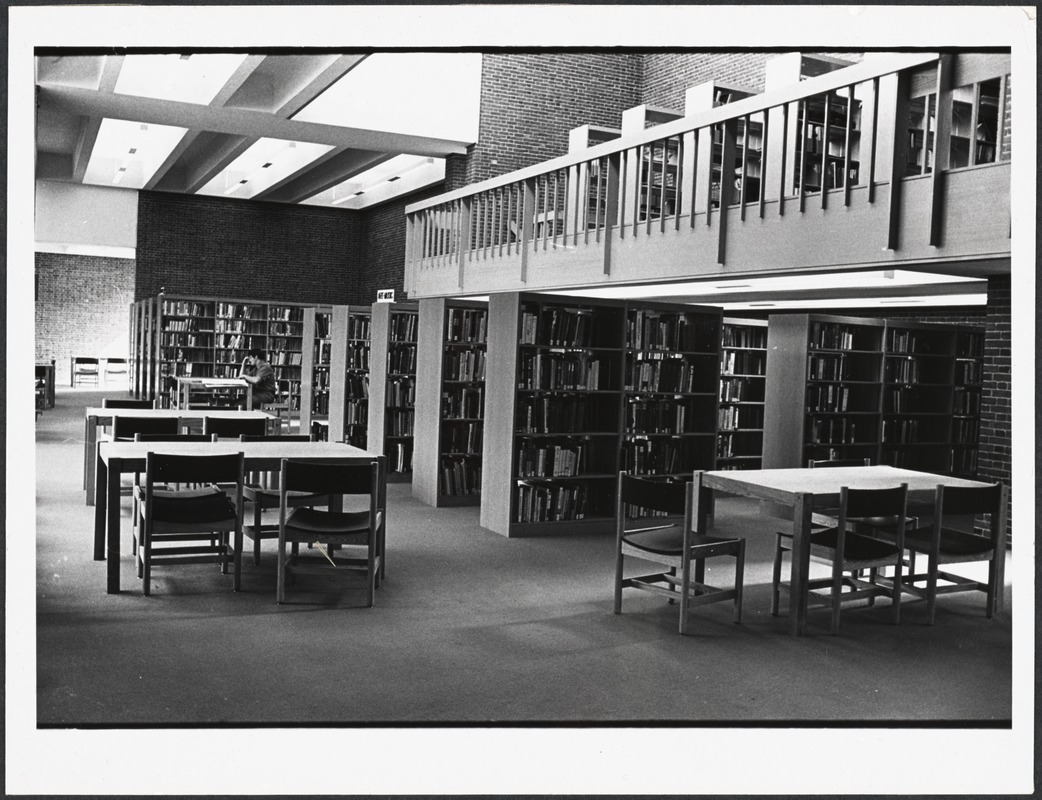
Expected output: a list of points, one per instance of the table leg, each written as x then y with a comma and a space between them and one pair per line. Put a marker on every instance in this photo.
801, 512
998, 530
100, 506
112, 535
90, 441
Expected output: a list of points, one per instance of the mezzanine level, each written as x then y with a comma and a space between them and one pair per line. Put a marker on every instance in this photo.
901, 161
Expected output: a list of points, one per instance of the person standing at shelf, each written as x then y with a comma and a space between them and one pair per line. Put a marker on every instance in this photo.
258, 372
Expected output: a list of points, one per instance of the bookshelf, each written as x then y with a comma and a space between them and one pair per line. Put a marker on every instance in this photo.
828, 146
899, 392
348, 418
450, 402
832, 368
922, 128
577, 390
743, 383
314, 378
285, 346
659, 167
392, 385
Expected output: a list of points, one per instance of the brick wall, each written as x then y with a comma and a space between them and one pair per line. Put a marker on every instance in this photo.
667, 76
529, 102
82, 308
996, 436
253, 250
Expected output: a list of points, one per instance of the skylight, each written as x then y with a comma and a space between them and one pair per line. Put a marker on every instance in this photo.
189, 79
424, 94
127, 154
398, 175
263, 165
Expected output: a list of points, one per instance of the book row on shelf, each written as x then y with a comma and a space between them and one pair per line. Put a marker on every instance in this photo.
466, 403
550, 502
676, 374
743, 363
739, 390
645, 416
460, 477
569, 371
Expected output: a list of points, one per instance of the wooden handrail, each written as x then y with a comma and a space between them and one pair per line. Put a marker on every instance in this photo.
873, 67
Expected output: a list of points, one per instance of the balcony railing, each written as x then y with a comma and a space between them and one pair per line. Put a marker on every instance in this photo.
822, 171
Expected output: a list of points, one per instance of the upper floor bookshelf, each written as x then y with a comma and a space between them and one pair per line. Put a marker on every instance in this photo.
315, 375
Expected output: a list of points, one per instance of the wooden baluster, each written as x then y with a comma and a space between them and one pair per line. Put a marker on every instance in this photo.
678, 194
846, 146
763, 164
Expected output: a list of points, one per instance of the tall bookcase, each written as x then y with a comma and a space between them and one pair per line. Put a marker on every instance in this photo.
450, 402
577, 390
743, 384
208, 337
348, 419
392, 385
828, 147
901, 393
314, 375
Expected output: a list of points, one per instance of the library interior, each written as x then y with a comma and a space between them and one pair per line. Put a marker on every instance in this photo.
616, 346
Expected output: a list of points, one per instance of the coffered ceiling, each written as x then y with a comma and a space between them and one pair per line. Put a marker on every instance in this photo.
328, 129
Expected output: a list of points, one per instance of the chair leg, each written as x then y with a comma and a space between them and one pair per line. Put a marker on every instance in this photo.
700, 572
993, 589
776, 577
618, 579
739, 581
895, 598
280, 581
370, 582
837, 596
873, 577
685, 590
237, 556
256, 532
931, 591
146, 558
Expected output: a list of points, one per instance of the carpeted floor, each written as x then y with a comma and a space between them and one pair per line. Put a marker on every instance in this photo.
471, 628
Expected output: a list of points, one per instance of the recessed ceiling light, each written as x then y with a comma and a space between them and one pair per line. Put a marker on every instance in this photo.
762, 304
265, 166
396, 177
361, 192
735, 286
132, 150
244, 180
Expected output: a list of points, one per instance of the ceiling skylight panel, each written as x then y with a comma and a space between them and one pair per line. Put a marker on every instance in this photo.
127, 154
424, 94
263, 165
188, 79
399, 175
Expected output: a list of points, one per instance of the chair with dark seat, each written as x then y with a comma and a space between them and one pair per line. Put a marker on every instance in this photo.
357, 530
187, 527
943, 544
124, 429
84, 371
674, 544
127, 402
846, 551
227, 427
115, 368
260, 494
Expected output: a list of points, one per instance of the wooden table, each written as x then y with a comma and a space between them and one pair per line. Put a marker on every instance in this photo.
186, 385
806, 490
103, 416
121, 458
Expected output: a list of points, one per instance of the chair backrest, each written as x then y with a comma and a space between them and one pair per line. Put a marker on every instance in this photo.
118, 363
125, 428
85, 363
180, 468
653, 494
330, 478
173, 437
303, 437
840, 462
888, 505
953, 500
113, 402
233, 426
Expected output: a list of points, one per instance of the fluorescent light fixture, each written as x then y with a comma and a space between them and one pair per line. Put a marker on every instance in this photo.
263, 165
969, 299
196, 79
422, 94
127, 153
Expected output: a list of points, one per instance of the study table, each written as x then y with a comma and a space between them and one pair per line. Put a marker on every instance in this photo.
115, 459
103, 416
186, 385
803, 491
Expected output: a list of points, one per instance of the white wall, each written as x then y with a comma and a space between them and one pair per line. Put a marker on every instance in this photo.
89, 220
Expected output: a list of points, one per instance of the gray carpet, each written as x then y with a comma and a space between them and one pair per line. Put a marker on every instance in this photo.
472, 628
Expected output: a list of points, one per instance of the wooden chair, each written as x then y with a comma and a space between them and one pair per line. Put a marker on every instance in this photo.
303, 525
673, 544
115, 368
179, 528
942, 544
234, 427
281, 407
849, 552
84, 371
261, 496
124, 429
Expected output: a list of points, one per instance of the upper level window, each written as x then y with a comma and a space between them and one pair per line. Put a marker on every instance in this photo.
975, 123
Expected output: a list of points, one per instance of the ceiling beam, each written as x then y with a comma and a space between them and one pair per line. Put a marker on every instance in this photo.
318, 84
91, 124
241, 122
244, 70
323, 173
